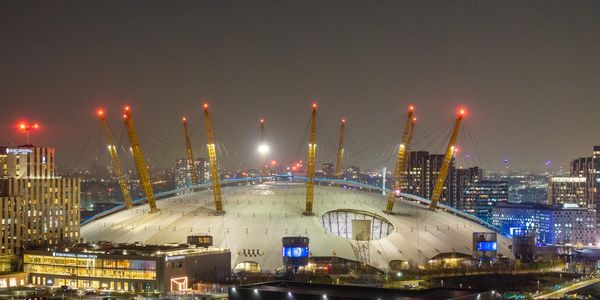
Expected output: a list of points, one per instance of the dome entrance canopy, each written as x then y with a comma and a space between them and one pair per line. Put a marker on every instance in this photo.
356, 224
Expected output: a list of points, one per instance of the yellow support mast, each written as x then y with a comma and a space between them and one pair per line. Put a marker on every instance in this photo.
339, 164
401, 160
190, 154
140, 162
310, 167
114, 159
214, 166
441, 179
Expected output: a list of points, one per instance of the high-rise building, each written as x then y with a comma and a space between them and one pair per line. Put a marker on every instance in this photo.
422, 172
465, 178
567, 190
38, 208
485, 194
423, 169
589, 168
183, 177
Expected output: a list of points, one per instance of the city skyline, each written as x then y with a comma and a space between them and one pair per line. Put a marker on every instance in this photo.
525, 72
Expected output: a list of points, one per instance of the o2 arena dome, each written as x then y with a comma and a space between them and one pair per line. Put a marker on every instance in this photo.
258, 217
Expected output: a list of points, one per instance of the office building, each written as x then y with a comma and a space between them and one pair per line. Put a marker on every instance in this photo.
550, 224
127, 267
38, 208
484, 194
568, 190
465, 178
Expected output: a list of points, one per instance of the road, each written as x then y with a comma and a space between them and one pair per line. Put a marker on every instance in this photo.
559, 294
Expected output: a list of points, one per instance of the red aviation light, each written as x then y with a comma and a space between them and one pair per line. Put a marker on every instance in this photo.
127, 108
100, 112
205, 106
462, 112
22, 126
262, 120
36, 126
183, 119
411, 108
314, 105
344, 120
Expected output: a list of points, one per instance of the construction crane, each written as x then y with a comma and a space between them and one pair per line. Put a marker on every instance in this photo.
140, 162
310, 167
263, 149
114, 159
401, 160
190, 154
214, 166
339, 164
441, 179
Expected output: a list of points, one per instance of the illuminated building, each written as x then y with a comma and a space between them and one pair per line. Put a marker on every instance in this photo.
589, 168
465, 178
423, 169
26, 162
484, 194
38, 208
550, 224
567, 190
127, 267
183, 177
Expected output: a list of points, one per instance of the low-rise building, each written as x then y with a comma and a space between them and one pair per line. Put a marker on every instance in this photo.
127, 267
564, 225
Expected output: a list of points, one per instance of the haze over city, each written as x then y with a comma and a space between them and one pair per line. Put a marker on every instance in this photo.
528, 73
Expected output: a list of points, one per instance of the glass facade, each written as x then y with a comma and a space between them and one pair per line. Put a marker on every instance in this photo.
90, 267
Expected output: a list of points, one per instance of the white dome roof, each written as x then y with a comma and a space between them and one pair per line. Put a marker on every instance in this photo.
258, 216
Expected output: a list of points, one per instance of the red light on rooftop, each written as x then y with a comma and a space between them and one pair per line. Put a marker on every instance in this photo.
205, 105
100, 112
262, 120
343, 120
183, 119
273, 162
36, 126
314, 105
124, 116
414, 119
127, 108
411, 108
462, 112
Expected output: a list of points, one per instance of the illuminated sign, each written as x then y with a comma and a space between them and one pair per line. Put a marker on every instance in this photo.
19, 151
74, 255
175, 257
487, 246
295, 251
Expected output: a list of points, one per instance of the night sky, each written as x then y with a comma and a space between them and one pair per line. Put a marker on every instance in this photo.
528, 73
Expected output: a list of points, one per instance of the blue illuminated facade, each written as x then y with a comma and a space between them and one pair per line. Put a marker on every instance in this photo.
551, 224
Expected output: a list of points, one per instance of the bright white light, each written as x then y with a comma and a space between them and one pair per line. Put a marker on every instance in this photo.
263, 149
